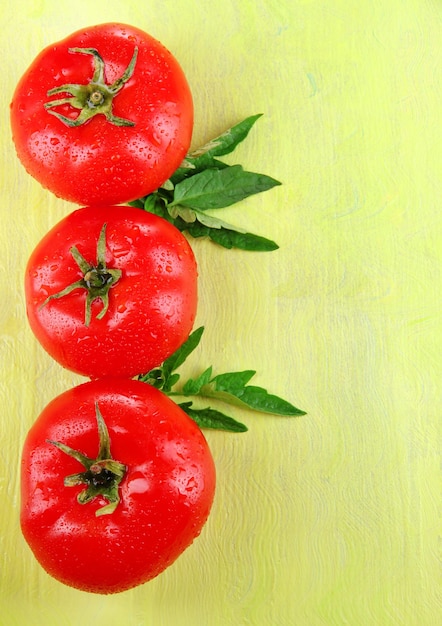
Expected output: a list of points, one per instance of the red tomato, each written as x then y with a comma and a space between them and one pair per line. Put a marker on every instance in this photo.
147, 278
104, 116
162, 500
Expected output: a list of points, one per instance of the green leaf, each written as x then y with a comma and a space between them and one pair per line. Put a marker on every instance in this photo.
196, 215
211, 418
153, 203
200, 224
233, 380
230, 388
259, 399
231, 238
216, 189
163, 377
184, 213
178, 357
193, 386
203, 182
235, 384
159, 379
138, 204
228, 140
190, 167
203, 158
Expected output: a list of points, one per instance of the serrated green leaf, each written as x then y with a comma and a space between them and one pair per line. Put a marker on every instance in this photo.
232, 380
257, 398
230, 238
230, 388
193, 386
211, 418
216, 189
203, 182
163, 377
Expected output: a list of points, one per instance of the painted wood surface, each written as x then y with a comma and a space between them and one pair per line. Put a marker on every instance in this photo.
328, 519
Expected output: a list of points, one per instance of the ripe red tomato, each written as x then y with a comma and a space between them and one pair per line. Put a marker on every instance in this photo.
104, 116
111, 291
160, 504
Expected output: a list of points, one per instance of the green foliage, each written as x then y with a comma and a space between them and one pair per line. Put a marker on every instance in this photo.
204, 183
231, 388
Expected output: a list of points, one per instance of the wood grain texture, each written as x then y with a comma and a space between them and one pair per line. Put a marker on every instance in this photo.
326, 520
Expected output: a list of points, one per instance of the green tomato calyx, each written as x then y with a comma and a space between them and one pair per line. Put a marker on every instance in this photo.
95, 97
103, 474
97, 279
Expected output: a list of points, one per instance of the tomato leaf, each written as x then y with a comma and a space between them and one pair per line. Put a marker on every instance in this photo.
211, 418
257, 398
203, 182
193, 387
230, 388
191, 166
200, 224
217, 189
203, 158
233, 381
164, 377
178, 357
154, 204
227, 141
230, 238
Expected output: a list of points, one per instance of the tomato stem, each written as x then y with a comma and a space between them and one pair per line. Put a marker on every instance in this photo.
95, 97
97, 279
103, 474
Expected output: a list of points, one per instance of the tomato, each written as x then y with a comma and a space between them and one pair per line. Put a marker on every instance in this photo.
157, 468
104, 116
111, 291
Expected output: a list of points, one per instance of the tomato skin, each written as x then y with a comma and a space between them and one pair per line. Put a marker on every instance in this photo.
166, 494
152, 307
99, 162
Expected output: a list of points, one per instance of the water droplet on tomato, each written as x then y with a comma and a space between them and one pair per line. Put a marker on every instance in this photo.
120, 251
137, 483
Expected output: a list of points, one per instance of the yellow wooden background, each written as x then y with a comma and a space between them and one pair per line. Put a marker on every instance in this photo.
329, 519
